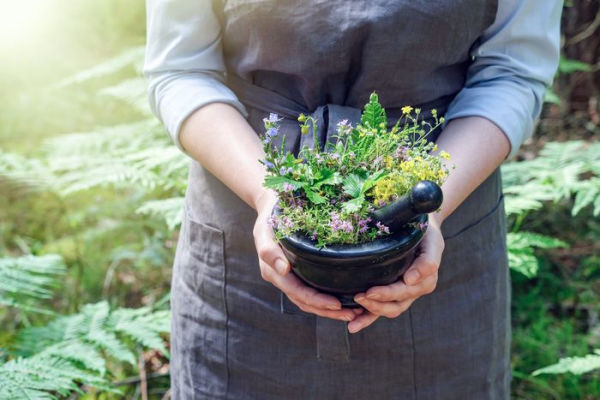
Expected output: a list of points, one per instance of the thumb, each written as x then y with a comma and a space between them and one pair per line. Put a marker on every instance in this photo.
268, 250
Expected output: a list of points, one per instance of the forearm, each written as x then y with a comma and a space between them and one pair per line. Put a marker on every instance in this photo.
222, 141
477, 147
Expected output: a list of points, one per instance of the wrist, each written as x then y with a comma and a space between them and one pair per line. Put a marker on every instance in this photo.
436, 218
265, 198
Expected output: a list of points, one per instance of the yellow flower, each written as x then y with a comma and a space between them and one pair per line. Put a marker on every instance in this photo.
435, 147
406, 109
444, 155
304, 129
389, 161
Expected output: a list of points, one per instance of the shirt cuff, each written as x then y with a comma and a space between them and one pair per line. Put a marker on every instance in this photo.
181, 94
511, 106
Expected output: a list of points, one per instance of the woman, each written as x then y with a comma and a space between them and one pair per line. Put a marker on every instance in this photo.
243, 326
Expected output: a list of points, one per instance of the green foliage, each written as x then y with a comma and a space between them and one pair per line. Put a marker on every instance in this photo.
25, 280
574, 365
520, 250
340, 186
564, 173
43, 377
374, 114
561, 170
568, 66
73, 350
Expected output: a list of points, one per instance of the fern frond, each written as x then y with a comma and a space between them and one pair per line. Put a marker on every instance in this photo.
129, 57
78, 352
95, 332
43, 376
521, 257
561, 170
373, 114
574, 365
132, 91
29, 278
171, 210
142, 326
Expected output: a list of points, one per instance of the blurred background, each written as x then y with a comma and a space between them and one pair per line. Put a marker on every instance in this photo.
91, 192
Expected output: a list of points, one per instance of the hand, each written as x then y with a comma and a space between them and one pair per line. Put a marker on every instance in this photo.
275, 268
420, 279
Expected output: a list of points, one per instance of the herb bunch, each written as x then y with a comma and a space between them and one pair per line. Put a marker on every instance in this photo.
328, 193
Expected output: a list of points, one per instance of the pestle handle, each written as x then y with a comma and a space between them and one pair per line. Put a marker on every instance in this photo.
425, 197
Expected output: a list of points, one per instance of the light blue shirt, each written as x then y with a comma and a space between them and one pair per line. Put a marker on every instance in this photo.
513, 64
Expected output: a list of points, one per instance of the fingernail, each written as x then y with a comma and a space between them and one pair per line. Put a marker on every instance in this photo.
373, 296
360, 297
281, 266
412, 277
333, 307
348, 318
353, 328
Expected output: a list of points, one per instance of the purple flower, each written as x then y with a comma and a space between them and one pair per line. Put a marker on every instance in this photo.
347, 227
313, 236
272, 131
344, 127
273, 222
351, 154
268, 164
282, 171
290, 170
272, 118
288, 187
363, 224
381, 229
288, 223
267, 140
401, 152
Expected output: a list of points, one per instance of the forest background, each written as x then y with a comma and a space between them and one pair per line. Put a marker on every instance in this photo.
91, 193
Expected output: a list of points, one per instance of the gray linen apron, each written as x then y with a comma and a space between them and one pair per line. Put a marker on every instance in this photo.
237, 337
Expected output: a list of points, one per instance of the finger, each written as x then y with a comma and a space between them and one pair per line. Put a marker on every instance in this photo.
399, 291
301, 294
267, 248
396, 291
428, 261
342, 315
358, 311
388, 309
361, 322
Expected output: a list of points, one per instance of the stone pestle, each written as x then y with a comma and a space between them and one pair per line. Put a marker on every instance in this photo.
425, 197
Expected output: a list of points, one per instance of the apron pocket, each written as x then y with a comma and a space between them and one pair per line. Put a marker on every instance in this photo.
199, 317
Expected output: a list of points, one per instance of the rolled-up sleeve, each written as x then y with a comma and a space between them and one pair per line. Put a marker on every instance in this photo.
184, 63
513, 64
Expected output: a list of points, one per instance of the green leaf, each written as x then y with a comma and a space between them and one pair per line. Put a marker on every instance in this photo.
373, 114
551, 97
276, 182
354, 205
353, 185
586, 196
574, 365
568, 66
523, 261
327, 177
526, 240
314, 197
